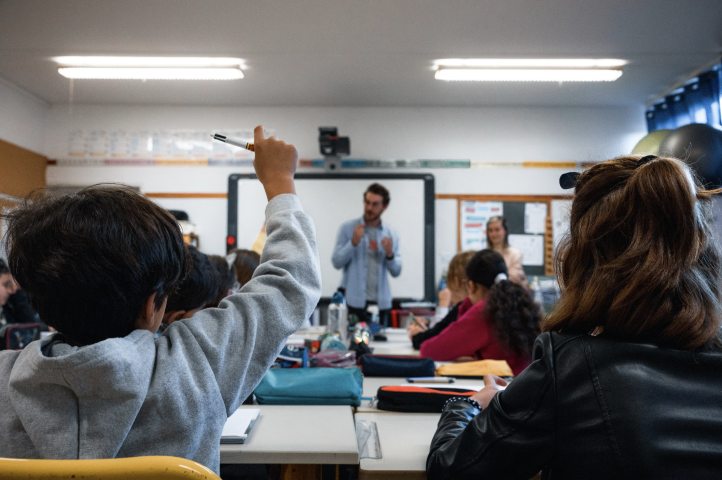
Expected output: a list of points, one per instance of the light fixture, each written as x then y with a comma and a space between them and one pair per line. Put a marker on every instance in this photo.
529, 70
150, 68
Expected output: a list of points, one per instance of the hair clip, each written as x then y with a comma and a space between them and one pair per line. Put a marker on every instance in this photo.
568, 180
231, 259
500, 277
644, 160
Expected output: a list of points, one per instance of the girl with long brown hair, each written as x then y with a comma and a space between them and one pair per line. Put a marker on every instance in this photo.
626, 381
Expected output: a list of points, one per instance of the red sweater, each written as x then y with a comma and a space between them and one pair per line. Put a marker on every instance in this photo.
472, 335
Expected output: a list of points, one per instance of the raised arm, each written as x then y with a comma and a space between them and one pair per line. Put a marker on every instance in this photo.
239, 340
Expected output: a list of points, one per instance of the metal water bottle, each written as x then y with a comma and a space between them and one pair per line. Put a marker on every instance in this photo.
338, 316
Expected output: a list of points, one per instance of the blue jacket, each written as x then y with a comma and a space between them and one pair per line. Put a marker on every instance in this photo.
354, 261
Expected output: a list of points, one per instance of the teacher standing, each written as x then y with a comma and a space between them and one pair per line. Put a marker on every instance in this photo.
497, 239
367, 249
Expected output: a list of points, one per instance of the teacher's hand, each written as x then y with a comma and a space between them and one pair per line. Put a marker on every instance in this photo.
388, 246
358, 234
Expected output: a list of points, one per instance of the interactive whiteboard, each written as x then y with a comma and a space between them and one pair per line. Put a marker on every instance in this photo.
332, 199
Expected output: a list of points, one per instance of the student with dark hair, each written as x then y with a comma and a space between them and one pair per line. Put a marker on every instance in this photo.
227, 282
500, 322
15, 304
625, 381
99, 266
198, 289
245, 264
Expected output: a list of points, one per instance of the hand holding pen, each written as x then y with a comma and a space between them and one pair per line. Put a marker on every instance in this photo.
234, 141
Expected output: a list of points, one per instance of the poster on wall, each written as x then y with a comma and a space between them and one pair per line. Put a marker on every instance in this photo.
474, 216
560, 219
531, 248
167, 147
535, 218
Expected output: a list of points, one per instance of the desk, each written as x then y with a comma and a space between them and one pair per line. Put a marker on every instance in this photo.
372, 384
298, 434
405, 439
398, 343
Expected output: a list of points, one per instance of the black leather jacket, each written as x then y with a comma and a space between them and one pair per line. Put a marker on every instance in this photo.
591, 407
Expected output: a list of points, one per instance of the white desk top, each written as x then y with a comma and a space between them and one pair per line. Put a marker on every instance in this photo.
405, 439
371, 386
298, 434
398, 343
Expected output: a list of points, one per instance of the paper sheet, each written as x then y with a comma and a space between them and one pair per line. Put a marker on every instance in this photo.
560, 219
535, 218
474, 216
239, 425
531, 248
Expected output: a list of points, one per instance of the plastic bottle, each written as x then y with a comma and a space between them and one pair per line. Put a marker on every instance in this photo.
536, 289
338, 316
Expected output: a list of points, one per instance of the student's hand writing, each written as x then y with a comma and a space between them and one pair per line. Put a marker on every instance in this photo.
275, 164
415, 329
358, 234
491, 384
388, 246
445, 298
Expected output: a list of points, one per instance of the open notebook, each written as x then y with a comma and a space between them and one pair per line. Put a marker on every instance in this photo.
239, 425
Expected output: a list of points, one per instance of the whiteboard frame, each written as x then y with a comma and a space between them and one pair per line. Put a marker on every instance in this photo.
429, 215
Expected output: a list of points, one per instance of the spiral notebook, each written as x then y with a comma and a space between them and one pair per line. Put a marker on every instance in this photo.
239, 425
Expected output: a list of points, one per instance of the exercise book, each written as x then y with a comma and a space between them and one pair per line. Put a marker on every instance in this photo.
239, 425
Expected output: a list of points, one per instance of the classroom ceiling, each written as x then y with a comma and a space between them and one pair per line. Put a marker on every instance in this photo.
359, 53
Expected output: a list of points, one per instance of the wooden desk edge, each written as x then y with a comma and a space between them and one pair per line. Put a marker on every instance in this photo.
296, 458
391, 474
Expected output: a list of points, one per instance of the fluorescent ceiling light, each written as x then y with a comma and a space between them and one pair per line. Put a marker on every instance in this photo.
119, 73
527, 75
529, 69
151, 68
531, 62
158, 62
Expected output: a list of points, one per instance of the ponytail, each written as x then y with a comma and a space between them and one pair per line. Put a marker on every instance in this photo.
515, 316
640, 260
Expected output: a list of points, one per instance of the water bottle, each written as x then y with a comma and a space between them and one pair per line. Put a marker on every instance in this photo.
536, 289
338, 316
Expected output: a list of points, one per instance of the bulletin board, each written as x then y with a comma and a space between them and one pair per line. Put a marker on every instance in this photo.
514, 209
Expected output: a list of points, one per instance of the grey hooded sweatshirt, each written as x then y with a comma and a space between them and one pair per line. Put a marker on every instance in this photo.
134, 396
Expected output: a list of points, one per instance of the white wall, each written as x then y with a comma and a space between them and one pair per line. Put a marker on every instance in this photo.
22, 117
489, 134
494, 133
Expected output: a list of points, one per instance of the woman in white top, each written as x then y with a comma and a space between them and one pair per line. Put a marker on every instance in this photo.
497, 239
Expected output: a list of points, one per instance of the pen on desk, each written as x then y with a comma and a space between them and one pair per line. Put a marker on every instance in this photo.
430, 380
234, 141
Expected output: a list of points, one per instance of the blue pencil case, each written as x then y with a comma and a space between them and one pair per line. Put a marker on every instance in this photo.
311, 386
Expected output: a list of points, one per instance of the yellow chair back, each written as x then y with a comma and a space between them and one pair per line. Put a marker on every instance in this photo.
137, 468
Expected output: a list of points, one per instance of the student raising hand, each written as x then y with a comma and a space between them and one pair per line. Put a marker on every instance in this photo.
275, 164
